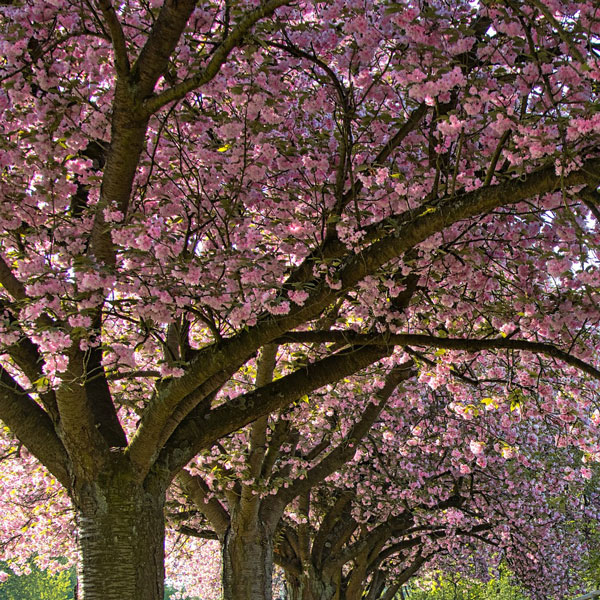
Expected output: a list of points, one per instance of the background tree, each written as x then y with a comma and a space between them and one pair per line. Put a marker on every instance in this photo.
243, 487
431, 466
411, 504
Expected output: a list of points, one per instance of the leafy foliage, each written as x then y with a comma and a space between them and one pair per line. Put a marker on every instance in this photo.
445, 586
37, 584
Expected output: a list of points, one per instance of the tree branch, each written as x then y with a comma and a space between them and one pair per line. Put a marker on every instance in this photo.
117, 37
467, 345
212, 509
33, 427
100, 400
331, 517
416, 116
162, 41
279, 436
155, 103
197, 433
16, 289
204, 534
496, 157
86, 446
591, 198
258, 434
10, 283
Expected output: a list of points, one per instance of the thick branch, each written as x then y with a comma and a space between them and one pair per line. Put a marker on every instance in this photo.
10, 283
591, 198
407, 573
203, 534
467, 345
129, 122
85, 445
151, 105
32, 426
342, 503
212, 509
194, 434
303, 529
258, 434
100, 400
117, 37
279, 436
162, 41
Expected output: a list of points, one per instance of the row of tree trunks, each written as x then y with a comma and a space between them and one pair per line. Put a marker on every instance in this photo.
248, 569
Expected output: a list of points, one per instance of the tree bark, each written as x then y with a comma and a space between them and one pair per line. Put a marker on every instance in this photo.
248, 562
120, 541
311, 585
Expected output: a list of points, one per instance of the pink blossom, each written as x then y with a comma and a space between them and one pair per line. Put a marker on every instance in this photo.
477, 448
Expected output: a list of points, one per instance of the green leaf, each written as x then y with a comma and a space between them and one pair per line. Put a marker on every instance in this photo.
42, 383
427, 211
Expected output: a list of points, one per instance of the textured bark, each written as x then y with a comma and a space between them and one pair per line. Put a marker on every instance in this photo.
311, 585
357, 580
121, 542
248, 561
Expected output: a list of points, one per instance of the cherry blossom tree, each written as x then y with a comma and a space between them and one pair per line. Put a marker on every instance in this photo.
429, 475
38, 528
400, 509
245, 484
183, 185
36, 516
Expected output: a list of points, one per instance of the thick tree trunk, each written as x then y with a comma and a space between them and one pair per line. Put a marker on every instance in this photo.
121, 542
248, 562
311, 586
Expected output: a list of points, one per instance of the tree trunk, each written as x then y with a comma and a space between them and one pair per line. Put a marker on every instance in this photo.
121, 542
311, 586
248, 562
376, 586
